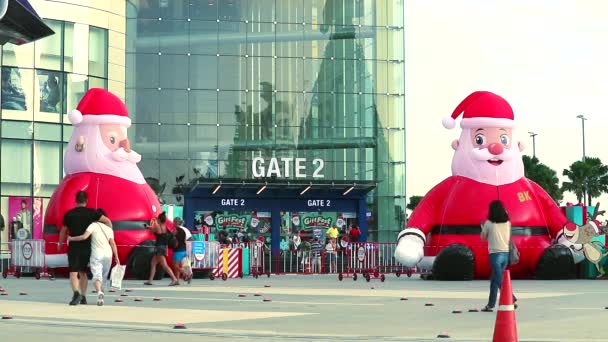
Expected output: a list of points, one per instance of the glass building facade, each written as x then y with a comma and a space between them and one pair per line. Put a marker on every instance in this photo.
212, 85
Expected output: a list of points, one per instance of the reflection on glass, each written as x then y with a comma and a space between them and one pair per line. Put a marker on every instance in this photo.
13, 94
16, 157
47, 156
50, 83
17, 129
77, 87
48, 49
76, 49
98, 52
96, 82
18, 55
47, 131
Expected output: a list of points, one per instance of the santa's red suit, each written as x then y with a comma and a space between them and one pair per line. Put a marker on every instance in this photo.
534, 216
487, 166
99, 161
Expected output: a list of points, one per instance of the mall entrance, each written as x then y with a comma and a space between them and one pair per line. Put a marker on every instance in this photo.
274, 212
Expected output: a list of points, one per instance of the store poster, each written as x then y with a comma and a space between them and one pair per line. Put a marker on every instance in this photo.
232, 222
23, 214
314, 225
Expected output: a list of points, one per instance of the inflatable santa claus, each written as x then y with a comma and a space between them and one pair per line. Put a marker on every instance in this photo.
443, 232
100, 161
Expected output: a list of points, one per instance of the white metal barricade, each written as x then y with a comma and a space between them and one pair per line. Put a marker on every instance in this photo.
203, 254
26, 254
256, 259
373, 259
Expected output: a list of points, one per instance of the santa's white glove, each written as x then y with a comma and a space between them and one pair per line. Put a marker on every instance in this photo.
410, 247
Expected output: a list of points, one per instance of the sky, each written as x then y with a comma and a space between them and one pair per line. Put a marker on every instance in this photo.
548, 59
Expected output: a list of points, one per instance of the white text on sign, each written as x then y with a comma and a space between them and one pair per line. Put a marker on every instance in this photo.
285, 168
235, 202
319, 203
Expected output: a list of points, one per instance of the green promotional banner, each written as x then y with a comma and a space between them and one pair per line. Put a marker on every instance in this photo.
317, 221
232, 221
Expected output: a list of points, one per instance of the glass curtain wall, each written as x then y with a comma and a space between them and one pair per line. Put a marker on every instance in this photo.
40, 82
213, 84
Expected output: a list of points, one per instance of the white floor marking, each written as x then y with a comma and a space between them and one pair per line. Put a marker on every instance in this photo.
338, 292
123, 313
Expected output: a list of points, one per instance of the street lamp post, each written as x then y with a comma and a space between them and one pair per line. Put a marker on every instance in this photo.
583, 118
533, 135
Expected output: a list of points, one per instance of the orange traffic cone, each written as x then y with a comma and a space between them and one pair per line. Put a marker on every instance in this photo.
505, 329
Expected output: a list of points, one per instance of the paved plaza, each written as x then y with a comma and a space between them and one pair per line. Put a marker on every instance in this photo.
303, 308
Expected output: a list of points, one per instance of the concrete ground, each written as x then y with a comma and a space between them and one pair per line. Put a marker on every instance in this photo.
303, 308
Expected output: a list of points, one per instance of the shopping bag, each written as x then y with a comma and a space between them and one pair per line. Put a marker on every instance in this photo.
187, 268
118, 272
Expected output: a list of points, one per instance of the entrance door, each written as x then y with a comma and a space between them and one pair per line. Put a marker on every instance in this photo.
306, 226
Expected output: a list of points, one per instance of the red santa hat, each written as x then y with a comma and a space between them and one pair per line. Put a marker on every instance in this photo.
99, 106
482, 109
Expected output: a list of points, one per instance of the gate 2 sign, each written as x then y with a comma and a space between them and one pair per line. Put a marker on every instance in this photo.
285, 168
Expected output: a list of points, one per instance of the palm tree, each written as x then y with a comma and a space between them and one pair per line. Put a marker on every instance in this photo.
577, 176
597, 182
413, 203
588, 177
544, 176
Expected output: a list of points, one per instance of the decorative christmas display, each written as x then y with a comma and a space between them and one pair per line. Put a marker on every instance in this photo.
487, 165
100, 161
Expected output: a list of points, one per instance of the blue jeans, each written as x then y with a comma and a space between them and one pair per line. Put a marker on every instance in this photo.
498, 264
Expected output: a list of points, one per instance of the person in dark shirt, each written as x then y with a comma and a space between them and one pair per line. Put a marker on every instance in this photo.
179, 252
76, 221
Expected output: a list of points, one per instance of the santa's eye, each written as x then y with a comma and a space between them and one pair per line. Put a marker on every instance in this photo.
480, 139
112, 140
504, 139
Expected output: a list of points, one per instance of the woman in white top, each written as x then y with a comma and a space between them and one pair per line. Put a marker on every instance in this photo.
102, 249
497, 231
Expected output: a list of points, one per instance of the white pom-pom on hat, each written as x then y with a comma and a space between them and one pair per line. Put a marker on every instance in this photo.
448, 122
75, 117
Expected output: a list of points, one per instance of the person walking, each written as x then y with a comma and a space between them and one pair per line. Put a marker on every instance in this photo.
102, 249
182, 234
497, 231
158, 226
75, 222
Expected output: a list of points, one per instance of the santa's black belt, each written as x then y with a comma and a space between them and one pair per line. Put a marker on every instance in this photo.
116, 225
476, 230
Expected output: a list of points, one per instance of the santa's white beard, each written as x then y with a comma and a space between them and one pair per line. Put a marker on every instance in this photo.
471, 162
98, 158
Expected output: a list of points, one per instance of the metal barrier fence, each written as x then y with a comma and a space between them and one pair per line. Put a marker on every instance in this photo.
367, 259
373, 260
28, 255
203, 254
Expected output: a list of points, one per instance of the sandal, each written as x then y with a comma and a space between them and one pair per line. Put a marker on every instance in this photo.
487, 309
148, 283
174, 283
